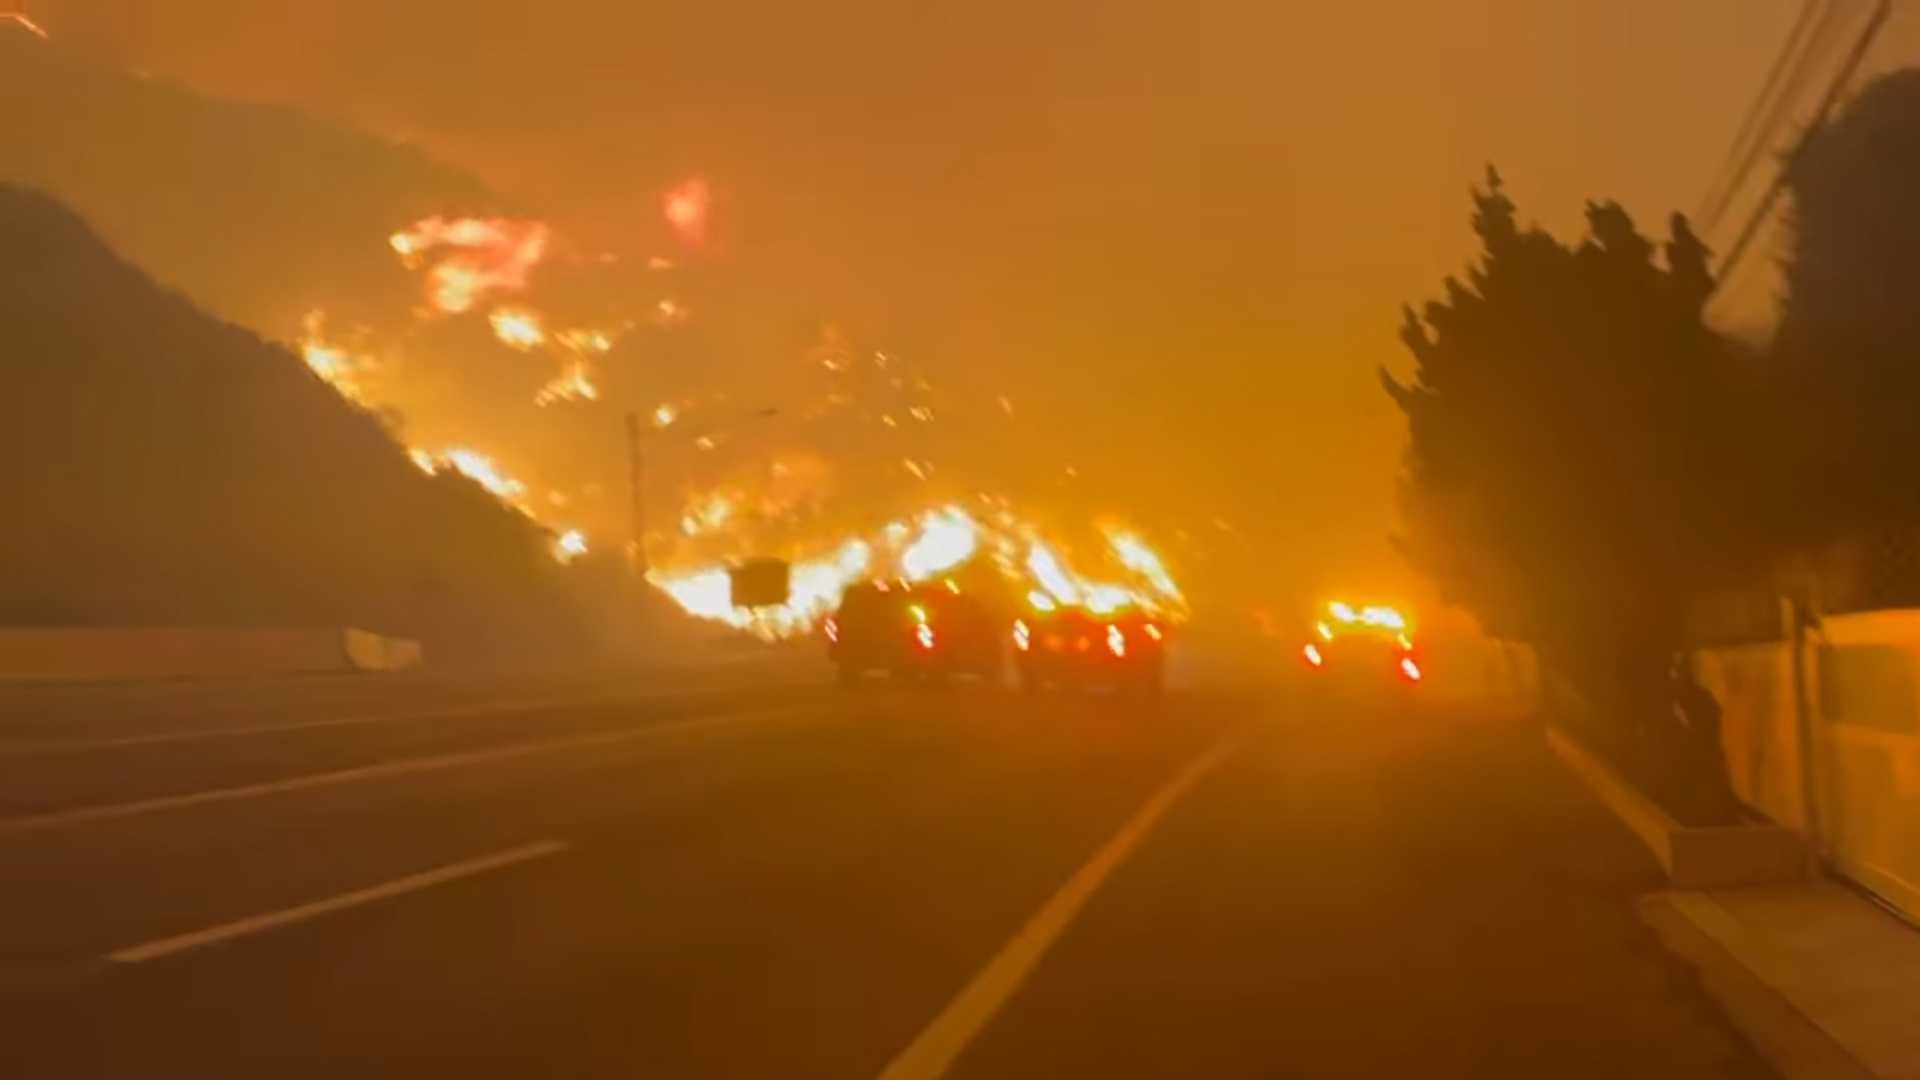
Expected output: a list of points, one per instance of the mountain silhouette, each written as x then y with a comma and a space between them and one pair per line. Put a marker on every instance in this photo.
166, 467
255, 211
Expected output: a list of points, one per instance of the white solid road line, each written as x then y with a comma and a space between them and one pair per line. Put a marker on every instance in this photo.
55, 819
444, 712
934, 1050
254, 924
454, 712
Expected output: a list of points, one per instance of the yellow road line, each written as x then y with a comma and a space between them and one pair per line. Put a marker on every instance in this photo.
935, 1049
254, 924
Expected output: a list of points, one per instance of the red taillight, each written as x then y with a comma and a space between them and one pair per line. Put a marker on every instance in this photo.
1312, 653
1409, 669
832, 629
924, 635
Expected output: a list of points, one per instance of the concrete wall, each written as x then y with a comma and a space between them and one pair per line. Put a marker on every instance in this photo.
1760, 727
1479, 670
1863, 700
1867, 705
104, 655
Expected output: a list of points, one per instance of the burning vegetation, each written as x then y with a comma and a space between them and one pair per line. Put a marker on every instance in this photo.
469, 259
488, 268
939, 542
841, 457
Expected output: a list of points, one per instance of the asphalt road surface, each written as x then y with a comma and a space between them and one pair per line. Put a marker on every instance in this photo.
742, 872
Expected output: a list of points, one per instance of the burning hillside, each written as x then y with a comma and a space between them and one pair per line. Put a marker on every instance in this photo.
939, 542
506, 348
821, 477
188, 473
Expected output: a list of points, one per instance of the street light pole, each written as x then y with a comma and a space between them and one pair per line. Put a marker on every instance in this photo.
636, 478
637, 485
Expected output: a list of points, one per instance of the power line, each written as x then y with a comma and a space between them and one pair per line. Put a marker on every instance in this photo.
1827, 102
1789, 91
1767, 88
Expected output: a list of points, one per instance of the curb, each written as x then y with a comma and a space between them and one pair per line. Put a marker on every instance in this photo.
1692, 928
1694, 858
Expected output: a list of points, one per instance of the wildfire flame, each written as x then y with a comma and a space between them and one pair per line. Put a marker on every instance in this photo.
686, 208
20, 19
948, 537
1135, 555
1050, 575
670, 312
518, 328
572, 384
475, 466
332, 363
486, 255
569, 546
585, 341
707, 514
468, 263
815, 587
521, 329
930, 545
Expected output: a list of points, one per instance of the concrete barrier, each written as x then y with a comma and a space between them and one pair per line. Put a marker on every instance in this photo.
1760, 726
1468, 670
1858, 761
1694, 858
128, 654
371, 652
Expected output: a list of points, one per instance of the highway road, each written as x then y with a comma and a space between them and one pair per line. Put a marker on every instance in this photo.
739, 871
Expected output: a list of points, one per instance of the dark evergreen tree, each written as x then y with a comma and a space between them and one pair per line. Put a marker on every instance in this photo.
1574, 465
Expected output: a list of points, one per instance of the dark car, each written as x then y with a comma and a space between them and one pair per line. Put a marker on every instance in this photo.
928, 632
1072, 647
1369, 643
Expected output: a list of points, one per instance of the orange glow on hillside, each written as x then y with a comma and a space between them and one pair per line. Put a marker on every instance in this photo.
331, 361
687, 207
482, 256
518, 328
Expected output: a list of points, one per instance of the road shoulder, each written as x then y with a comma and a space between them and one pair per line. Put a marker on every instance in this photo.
1821, 980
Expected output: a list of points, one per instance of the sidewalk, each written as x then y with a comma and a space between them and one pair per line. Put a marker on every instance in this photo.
1823, 981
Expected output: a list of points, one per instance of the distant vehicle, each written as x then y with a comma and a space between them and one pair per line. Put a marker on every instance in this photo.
1072, 647
926, 632
1371, 641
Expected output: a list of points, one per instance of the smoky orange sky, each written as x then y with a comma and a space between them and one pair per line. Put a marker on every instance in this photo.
1181, 231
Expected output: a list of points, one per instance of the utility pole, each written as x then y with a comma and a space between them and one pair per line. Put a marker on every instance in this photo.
637, 484
636, 477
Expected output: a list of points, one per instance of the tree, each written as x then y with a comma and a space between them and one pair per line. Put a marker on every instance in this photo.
1850, 321
1569, 444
